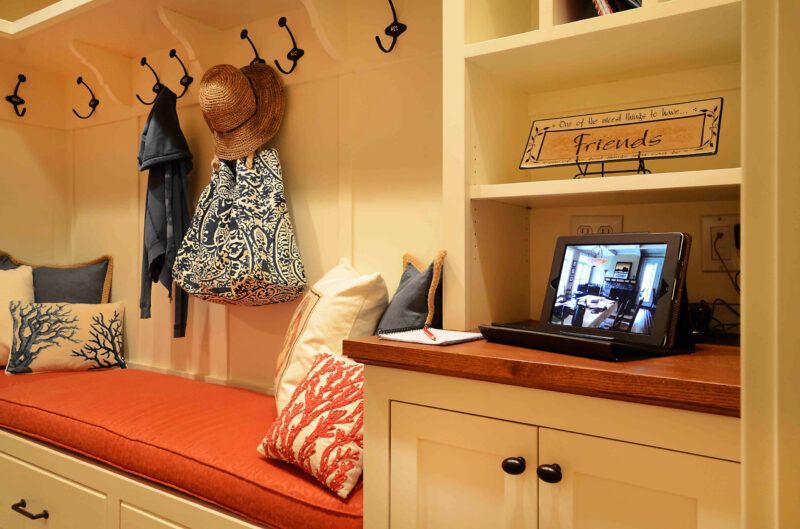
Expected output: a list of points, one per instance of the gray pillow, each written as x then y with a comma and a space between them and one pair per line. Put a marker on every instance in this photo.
80, 283
418, 300
6, 263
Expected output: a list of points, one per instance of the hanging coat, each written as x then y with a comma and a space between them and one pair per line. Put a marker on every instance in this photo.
163, 151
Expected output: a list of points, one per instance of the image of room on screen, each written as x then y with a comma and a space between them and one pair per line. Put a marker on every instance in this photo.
609, 287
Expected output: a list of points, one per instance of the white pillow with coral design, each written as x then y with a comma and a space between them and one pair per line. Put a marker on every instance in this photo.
321, 428
15, 285
65, 337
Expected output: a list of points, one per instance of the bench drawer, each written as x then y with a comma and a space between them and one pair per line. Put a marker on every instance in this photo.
69, 505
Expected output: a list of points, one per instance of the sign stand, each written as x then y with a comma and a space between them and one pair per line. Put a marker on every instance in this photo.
584, 171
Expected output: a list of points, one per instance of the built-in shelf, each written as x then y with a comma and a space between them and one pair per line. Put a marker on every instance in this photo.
670, 36
688, 186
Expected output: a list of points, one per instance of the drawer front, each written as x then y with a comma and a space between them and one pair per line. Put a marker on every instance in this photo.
605, 484
69, 505
446, 471
131, 517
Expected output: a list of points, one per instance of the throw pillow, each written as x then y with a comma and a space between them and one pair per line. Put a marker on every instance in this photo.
321, 429
418, 300
16, 284
88, 282
343, 304
63, 337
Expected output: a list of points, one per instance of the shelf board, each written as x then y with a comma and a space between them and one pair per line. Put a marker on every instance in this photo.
668, 36
688, 186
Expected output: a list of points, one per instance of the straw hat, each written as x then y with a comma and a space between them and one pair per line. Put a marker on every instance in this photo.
243, 108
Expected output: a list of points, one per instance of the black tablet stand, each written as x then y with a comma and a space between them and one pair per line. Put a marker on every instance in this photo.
590, 347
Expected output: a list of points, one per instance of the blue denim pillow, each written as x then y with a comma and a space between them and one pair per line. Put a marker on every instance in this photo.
418, 300
80, 283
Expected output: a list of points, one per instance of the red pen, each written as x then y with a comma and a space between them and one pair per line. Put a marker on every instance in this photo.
429, 334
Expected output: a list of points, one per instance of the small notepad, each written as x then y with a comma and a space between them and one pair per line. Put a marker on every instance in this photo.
442, 337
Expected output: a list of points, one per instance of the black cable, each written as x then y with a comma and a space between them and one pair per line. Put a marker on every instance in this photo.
724, 265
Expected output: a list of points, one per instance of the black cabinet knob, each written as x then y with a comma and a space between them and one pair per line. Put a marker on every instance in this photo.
513, 465
549, 473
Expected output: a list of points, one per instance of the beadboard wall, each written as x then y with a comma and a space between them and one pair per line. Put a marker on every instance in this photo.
360, 148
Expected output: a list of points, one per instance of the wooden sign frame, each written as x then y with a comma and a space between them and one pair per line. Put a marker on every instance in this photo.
664, 131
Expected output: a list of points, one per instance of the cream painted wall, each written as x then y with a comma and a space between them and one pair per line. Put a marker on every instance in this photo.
36, 193
360, 148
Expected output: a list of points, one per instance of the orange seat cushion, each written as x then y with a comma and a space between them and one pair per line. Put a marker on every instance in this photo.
191, 436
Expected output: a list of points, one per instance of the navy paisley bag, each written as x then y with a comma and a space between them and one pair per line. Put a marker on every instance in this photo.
240, 248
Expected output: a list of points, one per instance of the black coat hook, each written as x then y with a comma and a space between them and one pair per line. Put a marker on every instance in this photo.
92, 102
394, 30
258, 60
187, 79
294, 54
156, 87
15, 99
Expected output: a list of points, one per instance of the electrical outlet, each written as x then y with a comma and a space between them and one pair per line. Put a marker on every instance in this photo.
595, 224
719, 229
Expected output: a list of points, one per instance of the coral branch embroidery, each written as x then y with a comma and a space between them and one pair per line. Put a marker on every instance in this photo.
322, 427
104, 349
35, 328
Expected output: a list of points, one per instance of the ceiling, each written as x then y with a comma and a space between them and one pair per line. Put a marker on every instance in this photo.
13, 10
129, 27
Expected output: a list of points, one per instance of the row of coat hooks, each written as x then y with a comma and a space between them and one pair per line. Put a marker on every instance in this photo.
17, 101
393, 30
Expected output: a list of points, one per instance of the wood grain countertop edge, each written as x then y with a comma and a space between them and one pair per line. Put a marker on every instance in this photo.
643, 388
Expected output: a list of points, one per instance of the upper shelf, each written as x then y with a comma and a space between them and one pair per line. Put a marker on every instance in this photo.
668, 36
689, 186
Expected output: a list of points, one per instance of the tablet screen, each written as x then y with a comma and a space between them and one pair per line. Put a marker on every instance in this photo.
609, 287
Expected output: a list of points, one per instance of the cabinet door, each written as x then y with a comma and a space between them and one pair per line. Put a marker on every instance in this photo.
131, 517
69, 505
446, 471
615, 485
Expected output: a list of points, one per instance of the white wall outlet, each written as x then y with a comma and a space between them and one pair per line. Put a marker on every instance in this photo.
595, 224
719, 228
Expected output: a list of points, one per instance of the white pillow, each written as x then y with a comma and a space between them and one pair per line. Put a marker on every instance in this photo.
343, 304
330, 399
15, 285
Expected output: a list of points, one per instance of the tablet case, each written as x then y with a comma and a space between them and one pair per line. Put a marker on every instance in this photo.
679, 339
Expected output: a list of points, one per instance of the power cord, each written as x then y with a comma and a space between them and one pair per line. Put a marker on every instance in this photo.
734, 279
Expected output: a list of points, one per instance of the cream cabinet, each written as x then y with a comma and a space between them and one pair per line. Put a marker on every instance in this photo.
33, 497
452, 469
606, 484
445, 470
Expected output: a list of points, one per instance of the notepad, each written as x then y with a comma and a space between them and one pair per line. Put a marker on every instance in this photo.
443, 337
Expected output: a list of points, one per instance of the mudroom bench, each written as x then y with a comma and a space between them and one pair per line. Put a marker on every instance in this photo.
489, 435
131, 449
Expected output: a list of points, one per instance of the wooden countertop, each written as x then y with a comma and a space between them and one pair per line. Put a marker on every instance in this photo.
706, 381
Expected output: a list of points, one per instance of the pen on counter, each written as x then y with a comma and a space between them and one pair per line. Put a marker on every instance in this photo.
429, 334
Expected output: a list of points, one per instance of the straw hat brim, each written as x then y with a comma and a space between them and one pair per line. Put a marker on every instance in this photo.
263, 124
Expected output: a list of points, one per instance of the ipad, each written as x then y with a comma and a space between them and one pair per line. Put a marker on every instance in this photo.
622, 287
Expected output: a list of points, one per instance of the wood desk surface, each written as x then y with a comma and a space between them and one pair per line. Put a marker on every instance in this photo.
706, 381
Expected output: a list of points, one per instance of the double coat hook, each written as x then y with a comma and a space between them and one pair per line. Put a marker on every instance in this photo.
294, 54
15, 100
394, 30
258, 60
187, 79
156, 87
92, 103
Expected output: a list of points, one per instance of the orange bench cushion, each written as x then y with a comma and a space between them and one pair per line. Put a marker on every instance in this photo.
191, 436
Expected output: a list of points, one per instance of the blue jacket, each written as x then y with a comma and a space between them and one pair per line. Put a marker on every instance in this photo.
164, 151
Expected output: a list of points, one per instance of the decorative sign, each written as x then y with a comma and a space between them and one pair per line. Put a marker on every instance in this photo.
667, 131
